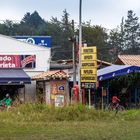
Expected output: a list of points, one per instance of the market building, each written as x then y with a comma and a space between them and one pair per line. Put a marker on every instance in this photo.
19, 61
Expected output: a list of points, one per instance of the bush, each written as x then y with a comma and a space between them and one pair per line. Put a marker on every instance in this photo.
42, 113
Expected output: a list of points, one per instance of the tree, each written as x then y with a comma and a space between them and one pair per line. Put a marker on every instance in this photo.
53, 29
96, 36
32, 20
3, 29
67, 32
132, 34
116, 41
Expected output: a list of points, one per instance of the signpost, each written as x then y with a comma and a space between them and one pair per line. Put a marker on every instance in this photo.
89, 64
88, 69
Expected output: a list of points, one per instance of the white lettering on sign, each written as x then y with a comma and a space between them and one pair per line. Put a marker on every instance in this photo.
7, 65
5, 58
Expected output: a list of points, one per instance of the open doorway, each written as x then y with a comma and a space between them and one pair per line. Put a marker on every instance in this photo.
12, 90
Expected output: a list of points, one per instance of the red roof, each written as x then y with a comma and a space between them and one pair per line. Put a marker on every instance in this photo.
128, 60
50, 75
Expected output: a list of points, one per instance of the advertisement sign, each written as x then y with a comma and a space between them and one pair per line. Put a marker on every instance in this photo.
88, 78
91, 64
17, 61
59, 100
90, 50
88, 57
54, 88
88, 65
36, 40
88, 85
28, 61
85, 72
9, 61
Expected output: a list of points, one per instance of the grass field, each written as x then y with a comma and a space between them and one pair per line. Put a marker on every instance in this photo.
38, 122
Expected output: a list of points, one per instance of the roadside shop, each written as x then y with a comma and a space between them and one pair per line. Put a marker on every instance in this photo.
52, 88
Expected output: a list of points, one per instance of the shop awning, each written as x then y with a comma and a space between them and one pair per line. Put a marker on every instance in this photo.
14, 76
116, 70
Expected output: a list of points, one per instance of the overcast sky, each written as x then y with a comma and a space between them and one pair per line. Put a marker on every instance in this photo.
107, 13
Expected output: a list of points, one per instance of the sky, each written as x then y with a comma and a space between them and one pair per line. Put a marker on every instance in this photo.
106, 13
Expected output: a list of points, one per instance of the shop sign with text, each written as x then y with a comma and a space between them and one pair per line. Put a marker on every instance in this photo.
17, 61
88, 65
36, 40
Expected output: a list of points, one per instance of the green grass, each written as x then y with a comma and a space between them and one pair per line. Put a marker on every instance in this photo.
38, 122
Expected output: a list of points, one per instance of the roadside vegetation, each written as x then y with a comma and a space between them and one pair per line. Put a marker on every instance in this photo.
38, 122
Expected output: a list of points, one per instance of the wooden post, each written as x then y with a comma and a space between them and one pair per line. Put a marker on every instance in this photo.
102, 99
89, 98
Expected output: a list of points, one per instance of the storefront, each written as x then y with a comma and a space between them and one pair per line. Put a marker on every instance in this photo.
122, 81
13, 81
18, 62
52, 88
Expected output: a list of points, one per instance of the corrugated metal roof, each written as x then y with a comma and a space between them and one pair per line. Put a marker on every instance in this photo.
128, 60
50, 75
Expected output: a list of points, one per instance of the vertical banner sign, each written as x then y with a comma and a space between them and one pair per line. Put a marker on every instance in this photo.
88, 66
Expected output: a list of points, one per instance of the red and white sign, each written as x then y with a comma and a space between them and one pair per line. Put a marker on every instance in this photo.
17, 61
9, 61
28, 60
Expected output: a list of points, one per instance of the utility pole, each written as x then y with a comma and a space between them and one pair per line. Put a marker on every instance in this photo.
74, 55
80, 45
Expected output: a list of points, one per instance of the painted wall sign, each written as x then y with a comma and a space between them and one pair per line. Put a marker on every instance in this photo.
17, 61
37, 40
28, 61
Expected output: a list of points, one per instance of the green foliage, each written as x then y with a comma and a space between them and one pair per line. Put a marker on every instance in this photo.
33, 20
96, 36
132, 31
42, 112
38, 121
128, 81
123, 39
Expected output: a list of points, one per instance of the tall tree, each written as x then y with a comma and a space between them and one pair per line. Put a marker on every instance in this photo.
67, 32
96, 36
132, 34
53, 29
32, 20
116, 41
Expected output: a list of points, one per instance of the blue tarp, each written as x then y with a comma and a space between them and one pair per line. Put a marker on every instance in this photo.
116, 70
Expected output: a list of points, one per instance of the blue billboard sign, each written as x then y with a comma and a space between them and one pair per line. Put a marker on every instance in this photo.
36, 40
